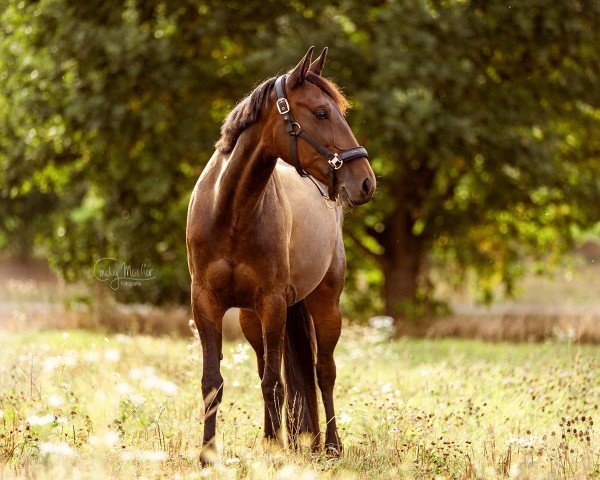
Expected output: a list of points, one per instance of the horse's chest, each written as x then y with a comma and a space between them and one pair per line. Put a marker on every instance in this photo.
239, 267
234, 283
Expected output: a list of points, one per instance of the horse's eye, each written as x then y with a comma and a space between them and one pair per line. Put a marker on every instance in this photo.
321, 114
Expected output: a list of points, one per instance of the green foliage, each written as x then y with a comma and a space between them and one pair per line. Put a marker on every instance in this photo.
484, 119
110, 115
481, 119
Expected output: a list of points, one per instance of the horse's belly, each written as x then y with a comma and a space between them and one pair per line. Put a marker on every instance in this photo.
316, 230
307, 269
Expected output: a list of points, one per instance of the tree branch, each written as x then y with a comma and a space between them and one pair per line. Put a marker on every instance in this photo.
375, 256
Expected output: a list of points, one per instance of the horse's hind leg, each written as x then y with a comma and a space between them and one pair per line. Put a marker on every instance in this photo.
252, 329
208, 316
323, 305
271, 309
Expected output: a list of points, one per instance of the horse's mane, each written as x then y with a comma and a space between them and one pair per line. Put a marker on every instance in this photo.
248, 111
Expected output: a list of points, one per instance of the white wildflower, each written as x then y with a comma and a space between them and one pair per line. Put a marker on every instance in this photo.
136, 398
514, 471
57, 449
241, 353
107, 439
289, 472
308, 475
381, 322
344, 418
67, 360
51, 363
525, 442
92, 357
150, 381
124, 388
156, 383
112, 355
145, 455
55, 400
142, 372
39, 420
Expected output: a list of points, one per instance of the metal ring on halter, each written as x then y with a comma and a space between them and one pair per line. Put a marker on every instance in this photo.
329, 202
336, 162
296, 132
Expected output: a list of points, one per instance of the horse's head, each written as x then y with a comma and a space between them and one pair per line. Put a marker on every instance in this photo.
316, 112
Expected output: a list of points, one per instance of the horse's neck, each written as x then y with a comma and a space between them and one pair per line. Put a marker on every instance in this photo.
244, 178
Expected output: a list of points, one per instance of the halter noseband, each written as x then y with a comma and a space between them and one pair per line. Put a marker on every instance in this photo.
335, 160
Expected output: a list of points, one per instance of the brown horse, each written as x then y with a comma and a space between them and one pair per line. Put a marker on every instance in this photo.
267, 240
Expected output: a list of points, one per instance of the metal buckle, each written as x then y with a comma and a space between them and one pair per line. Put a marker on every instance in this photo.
336, 162
331, 204
283, 106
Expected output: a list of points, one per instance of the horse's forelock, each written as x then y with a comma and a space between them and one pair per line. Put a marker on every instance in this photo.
330, 89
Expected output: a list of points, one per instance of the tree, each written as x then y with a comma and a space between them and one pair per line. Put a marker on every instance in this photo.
484, 120
110, 114
480, 117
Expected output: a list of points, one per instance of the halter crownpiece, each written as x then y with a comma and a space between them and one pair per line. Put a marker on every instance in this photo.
335, 160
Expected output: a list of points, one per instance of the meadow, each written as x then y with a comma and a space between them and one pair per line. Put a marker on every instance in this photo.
77, 404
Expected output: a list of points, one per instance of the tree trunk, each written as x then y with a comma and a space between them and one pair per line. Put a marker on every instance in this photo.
402, 265
404, 250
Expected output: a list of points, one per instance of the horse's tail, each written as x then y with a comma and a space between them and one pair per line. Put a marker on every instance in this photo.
299, 364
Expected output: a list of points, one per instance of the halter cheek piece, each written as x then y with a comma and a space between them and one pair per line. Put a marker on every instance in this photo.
335, 160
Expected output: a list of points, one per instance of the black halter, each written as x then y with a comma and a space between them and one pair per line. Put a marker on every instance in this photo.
334, 159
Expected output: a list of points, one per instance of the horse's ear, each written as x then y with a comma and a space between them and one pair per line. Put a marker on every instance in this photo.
317, 66
296, 76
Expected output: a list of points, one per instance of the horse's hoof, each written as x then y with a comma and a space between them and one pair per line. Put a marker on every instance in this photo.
208, 456
333, 450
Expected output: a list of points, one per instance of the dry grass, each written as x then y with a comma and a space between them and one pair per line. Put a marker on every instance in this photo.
84, 405
45, 304
68, 308
519, 327
563, 306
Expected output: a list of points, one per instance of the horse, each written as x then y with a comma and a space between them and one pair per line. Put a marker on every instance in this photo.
264, 236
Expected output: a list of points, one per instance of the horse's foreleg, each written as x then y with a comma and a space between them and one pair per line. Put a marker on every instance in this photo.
252, 330
208, 317
328, 323
272, 311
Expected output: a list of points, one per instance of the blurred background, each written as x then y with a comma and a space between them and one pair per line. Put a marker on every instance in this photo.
482, 119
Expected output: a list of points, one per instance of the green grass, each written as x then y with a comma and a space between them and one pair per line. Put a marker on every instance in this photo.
82, 405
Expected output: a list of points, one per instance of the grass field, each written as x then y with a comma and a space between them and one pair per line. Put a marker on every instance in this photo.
82, 405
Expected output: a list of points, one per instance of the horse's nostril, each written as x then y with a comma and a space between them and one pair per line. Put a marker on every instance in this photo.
366, 186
